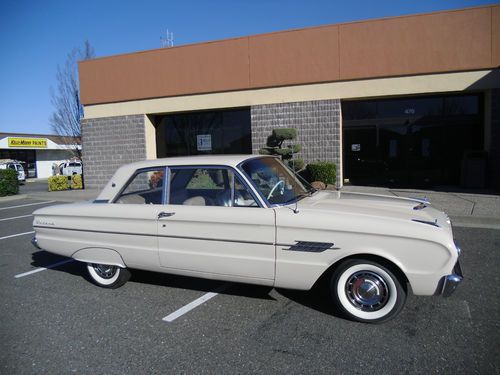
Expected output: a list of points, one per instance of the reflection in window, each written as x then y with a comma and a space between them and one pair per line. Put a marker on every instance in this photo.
146, 187
208, 187
275, 181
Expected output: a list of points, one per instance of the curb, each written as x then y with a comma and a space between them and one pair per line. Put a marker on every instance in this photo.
475, 222
59, 198
13, 197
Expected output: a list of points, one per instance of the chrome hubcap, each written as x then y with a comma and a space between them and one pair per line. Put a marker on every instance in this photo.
367, 291
105, 271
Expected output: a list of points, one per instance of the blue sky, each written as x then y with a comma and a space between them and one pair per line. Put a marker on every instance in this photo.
36, 36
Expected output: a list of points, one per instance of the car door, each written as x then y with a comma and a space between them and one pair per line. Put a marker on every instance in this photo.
213, 226
131, 220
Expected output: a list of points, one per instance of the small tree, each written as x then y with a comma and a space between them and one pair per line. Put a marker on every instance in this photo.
274, 146
68, 110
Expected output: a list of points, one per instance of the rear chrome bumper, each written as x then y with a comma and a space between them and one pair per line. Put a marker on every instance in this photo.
451, 282
34, 242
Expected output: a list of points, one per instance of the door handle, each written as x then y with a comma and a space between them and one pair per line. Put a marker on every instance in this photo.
165, 214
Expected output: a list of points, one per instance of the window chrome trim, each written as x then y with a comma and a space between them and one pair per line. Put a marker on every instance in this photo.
252, 191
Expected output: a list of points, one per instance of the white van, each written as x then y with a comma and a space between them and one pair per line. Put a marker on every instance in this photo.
15, 165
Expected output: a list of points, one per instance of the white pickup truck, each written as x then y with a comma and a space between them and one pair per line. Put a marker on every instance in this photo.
70, 168
15, 165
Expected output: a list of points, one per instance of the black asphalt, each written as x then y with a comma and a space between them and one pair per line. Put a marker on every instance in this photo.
56, 321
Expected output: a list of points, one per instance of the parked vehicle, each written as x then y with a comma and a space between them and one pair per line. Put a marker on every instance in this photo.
70, 168
15, 165
250, 219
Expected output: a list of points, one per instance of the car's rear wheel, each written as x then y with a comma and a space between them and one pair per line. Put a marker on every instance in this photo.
108, 276
367, 291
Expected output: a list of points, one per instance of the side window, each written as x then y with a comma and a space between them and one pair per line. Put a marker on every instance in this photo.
146, 187
208, 187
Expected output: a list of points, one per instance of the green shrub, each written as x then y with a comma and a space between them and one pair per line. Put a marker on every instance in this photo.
57, 183
76, 181
9, 184
322, 171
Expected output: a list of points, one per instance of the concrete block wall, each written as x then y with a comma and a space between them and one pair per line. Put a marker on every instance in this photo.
318, 125
109, 143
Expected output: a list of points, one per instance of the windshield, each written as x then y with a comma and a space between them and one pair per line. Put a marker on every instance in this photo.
274, 181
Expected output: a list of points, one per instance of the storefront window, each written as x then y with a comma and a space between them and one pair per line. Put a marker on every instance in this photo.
207, 132
413, 141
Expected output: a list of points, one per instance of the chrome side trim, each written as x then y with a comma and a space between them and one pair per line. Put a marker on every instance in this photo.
309, 246
433, 223
160, 235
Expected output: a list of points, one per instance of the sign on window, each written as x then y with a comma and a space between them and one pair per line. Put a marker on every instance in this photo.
204, 142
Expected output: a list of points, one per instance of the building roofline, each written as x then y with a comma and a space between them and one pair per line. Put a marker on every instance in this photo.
270, 33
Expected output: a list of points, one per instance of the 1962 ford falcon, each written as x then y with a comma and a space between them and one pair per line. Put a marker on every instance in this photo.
250, 219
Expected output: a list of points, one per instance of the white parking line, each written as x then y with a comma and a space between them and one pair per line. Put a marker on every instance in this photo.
40, 269
15, 217
26, 205
16, 235
197, 302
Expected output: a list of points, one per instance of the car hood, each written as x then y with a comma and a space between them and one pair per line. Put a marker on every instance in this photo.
376, 207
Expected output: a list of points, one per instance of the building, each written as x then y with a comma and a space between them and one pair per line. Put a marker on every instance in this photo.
412, 100
39, 152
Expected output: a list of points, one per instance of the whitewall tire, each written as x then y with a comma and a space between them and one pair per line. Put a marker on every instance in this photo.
108, 276
366, 291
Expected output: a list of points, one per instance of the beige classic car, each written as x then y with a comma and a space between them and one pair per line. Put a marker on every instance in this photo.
249, 219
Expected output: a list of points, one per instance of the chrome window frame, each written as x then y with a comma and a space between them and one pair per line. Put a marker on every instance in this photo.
136, 172
244, 181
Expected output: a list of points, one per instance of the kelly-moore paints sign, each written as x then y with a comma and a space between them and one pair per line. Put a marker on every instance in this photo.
28, 142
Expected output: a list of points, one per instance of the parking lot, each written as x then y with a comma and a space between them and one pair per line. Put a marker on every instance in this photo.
53, 320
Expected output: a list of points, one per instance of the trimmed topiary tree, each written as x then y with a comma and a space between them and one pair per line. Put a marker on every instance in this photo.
274, 146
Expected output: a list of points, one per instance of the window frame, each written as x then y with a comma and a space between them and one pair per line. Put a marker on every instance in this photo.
242, 178
134, 175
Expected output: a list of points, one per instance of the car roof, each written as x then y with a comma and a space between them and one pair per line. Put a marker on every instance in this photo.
229, 160
122, 175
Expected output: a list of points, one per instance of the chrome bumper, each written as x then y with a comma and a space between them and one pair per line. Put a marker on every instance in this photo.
451, 282
34, 242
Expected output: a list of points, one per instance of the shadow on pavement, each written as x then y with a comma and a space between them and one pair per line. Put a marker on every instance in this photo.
44, 259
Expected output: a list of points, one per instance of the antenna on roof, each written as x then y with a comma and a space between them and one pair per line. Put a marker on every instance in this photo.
168, 40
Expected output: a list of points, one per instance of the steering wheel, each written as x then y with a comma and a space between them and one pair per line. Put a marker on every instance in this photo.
280, 182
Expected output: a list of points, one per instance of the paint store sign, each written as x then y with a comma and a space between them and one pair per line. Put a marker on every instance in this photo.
28, 142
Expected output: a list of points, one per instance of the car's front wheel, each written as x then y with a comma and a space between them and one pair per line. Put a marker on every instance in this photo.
366, 291
108, 276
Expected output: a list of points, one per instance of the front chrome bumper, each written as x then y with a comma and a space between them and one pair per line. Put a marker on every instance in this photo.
451, 282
